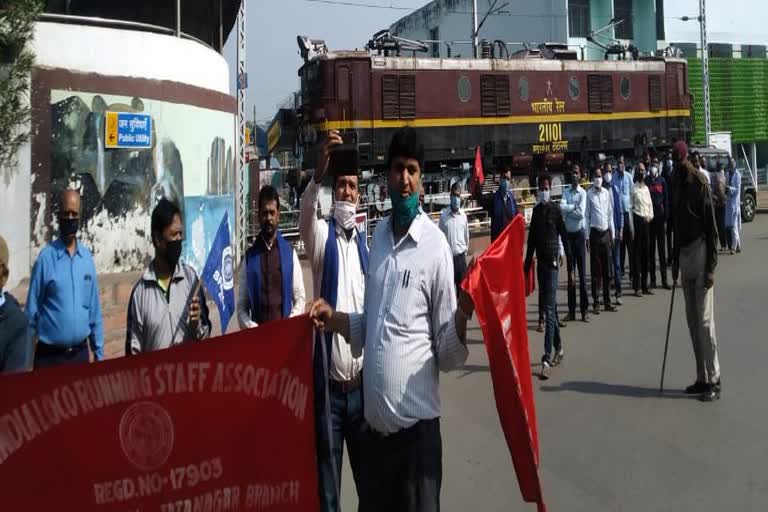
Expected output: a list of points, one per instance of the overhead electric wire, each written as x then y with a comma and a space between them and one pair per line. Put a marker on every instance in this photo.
399, 8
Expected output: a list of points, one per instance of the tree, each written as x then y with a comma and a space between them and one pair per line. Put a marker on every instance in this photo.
17, 24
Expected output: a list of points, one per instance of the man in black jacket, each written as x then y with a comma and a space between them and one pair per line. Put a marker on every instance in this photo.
694, 259
15, 345
659, 190
545, 235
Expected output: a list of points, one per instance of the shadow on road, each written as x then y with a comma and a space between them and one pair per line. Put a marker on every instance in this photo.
602, 388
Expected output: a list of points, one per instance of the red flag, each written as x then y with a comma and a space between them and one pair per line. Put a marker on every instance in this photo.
477, 172
225, 423
496, 285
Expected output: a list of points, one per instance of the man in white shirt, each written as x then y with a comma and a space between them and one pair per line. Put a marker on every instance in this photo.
411, 328
338, 253
454, 224
642, 215
598, 220
271, 284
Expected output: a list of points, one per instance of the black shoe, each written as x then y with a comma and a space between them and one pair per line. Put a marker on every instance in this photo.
666, 286
585, 317
638, 294
609, 308
596, 310
545, 366
648, 292
653, 285
711, 394
696, 388
570, 317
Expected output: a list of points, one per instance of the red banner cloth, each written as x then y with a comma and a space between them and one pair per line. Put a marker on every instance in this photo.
497, 287
222, 424
477, 172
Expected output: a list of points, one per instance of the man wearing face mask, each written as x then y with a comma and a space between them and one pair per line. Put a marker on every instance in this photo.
657, 186
454, 224
546, 230
573, 204
733, 207
15, 345
63, 306
500, 205
271, 284
338, 254
411, 329
618, 224
642, 215
622, 180
167, 305
598, 219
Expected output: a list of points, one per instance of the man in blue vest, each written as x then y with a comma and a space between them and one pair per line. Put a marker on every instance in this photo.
271, 285
500, 205
338, 252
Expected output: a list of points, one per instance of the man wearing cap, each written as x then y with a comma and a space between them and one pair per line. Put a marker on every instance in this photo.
694, 259
63, 306
15, 345
338, 253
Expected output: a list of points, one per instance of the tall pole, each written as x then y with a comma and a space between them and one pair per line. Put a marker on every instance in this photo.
705, 69
178, 18
241, 208
474, 28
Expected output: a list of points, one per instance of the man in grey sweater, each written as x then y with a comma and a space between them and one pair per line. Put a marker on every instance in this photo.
167, 305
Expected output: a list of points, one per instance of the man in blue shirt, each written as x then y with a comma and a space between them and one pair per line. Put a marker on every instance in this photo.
573, 204
63, 302
500, 205
618, 224
622, 180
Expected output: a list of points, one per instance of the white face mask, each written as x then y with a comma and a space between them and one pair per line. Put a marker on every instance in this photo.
598, 182
543, 196
654, 171
344, 213
607, 176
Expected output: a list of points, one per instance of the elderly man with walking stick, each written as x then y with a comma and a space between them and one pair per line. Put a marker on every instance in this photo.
694, 260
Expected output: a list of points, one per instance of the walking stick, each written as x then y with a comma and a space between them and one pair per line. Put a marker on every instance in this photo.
666, 343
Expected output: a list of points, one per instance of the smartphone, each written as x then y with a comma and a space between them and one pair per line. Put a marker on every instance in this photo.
344, 159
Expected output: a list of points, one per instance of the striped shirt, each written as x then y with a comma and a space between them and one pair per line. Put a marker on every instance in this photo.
407, 326
456, 229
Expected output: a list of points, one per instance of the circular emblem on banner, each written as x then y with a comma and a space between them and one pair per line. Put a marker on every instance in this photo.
146, 435
464, 88
227, 269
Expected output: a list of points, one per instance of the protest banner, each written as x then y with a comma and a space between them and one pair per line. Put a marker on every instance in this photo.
218, 425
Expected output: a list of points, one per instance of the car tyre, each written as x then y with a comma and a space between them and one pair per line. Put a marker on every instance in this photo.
749, 208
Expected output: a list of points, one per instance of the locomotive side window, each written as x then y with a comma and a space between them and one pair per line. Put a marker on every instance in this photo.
398, 94
600, 93
494, 95
655, 102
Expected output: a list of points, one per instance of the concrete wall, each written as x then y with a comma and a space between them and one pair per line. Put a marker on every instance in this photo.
80, 74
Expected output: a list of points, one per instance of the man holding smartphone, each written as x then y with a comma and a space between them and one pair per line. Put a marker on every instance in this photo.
338, 253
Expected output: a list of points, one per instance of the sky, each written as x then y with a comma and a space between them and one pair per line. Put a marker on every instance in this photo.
272, 27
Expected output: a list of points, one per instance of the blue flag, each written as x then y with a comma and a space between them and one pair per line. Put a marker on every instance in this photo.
219, 273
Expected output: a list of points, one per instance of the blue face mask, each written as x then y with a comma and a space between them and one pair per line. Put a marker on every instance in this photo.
404, 209
455, 203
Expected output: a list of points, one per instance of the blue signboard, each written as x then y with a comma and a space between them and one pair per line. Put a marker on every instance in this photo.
128, 130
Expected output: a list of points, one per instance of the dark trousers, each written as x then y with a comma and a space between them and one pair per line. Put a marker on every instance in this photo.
657, 236
404, 471
616, 255
600, 260
627, 237
547, 274
720, 219
347, 424
459, 269
51, 355
640, 253
577, 261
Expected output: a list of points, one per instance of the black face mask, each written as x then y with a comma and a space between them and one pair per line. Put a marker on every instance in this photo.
173, 253
569, 179
68, 227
